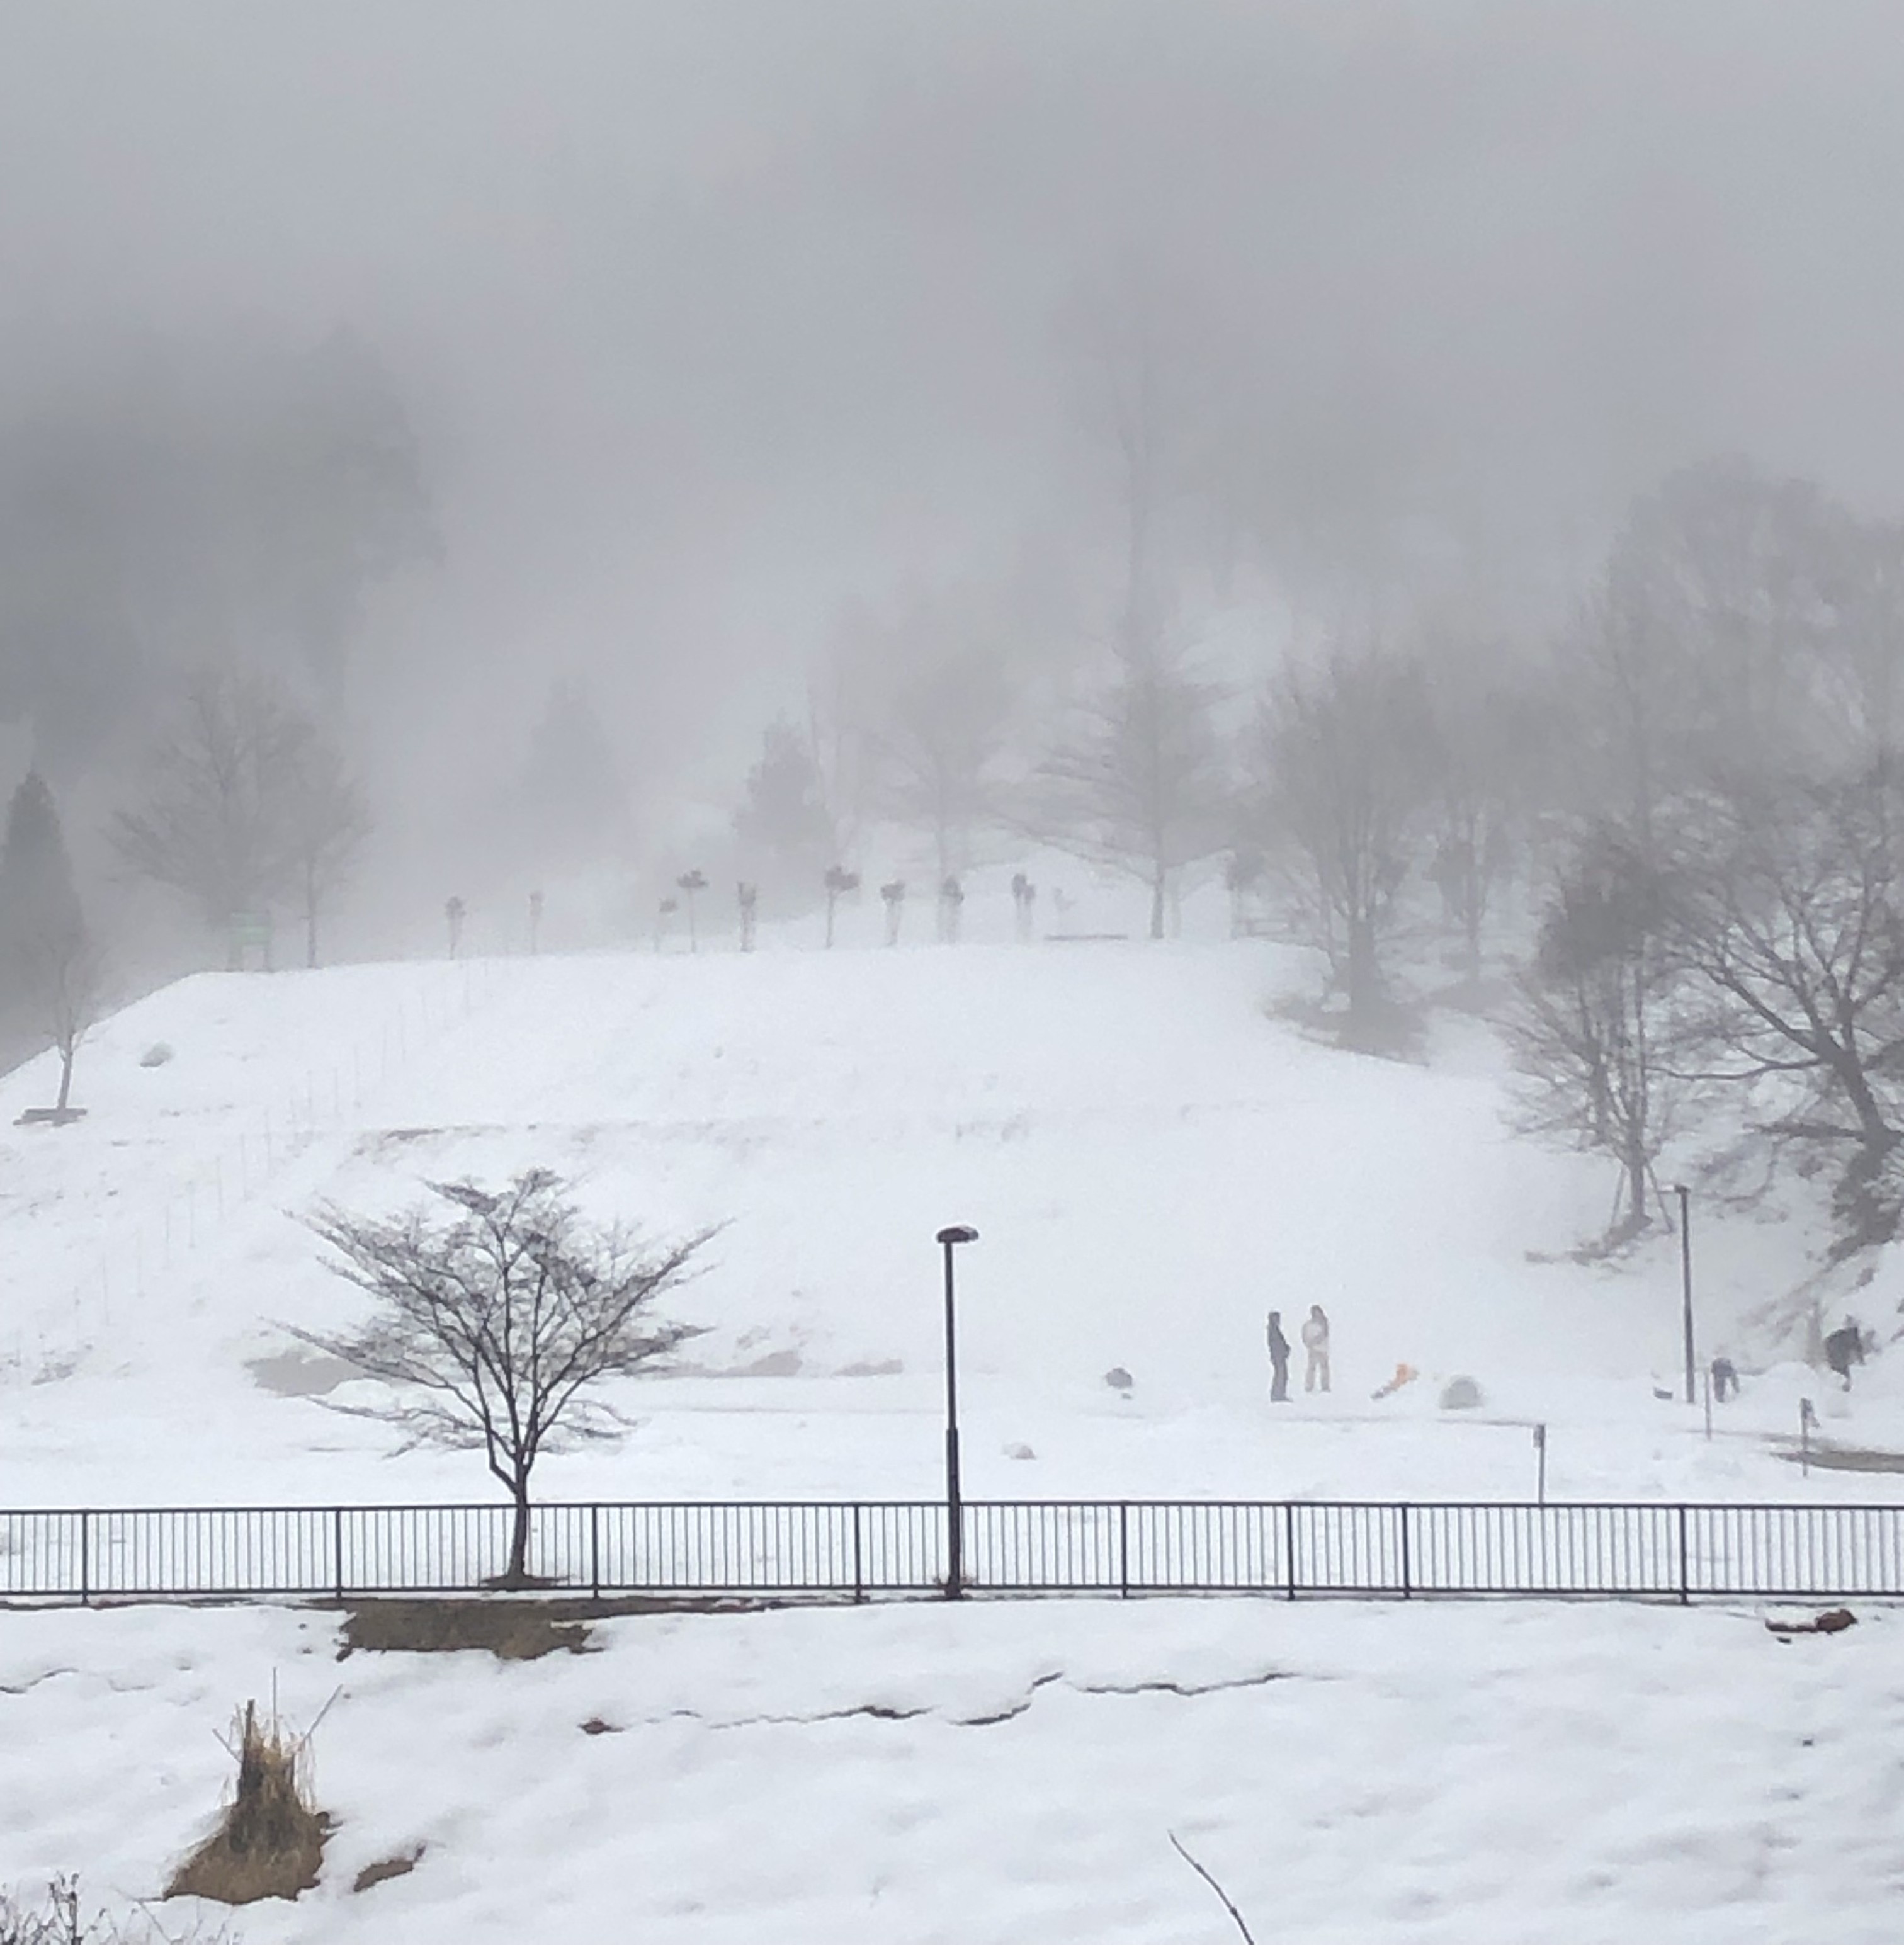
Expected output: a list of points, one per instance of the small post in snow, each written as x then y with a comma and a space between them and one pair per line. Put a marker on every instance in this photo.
1807, 1418
1540, 1465
1706, 1380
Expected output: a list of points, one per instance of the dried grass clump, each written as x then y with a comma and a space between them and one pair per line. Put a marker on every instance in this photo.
270, 1840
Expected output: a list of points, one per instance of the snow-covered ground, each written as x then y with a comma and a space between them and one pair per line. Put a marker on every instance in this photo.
1153, 1159
1353, 1775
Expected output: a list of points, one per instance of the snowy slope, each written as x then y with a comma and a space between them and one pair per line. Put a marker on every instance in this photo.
1355, 1775
1151, 1160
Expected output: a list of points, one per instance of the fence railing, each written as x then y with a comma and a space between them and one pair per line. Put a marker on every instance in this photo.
1046, 1546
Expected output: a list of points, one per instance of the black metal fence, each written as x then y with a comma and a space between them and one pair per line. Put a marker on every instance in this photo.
1046, 1546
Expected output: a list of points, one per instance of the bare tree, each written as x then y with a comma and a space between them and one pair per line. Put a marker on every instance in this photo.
1487, 731
1593, 1032
1789, 909
245, 801
325, 823
1141, 782
493, 1326
939, 752
66, 974
1344, 779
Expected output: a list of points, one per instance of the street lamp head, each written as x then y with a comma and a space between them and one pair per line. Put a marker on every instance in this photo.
1681, 1191
959, 1233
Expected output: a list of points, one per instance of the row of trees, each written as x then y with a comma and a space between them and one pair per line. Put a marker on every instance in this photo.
247, 806
1727, 909
1698, 787
1330, 787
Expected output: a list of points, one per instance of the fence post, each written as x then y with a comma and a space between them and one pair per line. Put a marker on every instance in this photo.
85, 1559
1407, 1576
1685, 1572
1123, 1549
336, 1550
1288, 1542
594, 1550
859, 1568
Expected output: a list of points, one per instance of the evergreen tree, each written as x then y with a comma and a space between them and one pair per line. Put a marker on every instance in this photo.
784, 833
574, 801
39, 907
53, 969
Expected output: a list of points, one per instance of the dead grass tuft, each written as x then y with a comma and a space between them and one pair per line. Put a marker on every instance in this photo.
270, 1840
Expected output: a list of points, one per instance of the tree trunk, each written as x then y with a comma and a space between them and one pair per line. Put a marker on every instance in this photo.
1157, 885
66, 1078
519, 1540
831, 900
1849, 1070
1636, 1190
1364, 982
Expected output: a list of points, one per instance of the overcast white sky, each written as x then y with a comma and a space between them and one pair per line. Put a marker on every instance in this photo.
715, 314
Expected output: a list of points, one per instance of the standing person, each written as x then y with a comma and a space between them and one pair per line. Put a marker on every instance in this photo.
1279, 1360
1845, 1348
1315, 1340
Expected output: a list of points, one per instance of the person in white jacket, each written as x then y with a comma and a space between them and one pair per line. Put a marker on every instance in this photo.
1315, 1342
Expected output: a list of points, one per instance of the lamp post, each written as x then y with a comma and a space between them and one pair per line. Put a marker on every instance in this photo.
1685, 1276
949, 1240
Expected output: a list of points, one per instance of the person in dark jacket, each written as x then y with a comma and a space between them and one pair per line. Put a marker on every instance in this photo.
1279, 1360
1845, 1348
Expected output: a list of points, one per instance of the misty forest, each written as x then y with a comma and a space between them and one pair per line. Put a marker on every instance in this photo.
1254, 651
1272, 454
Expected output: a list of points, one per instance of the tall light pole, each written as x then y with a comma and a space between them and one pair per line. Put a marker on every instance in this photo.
1685, 1195
949, 1240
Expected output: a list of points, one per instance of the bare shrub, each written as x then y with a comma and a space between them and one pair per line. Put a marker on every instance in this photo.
62, 1919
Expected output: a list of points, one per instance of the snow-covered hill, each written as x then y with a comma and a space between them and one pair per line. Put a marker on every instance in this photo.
1152, 1160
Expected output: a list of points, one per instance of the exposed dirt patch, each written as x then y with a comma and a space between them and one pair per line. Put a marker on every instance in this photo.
1842, 1458
1832, 1621
512, 1630
385, 1869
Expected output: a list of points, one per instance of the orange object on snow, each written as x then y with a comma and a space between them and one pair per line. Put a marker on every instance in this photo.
1405, 1374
